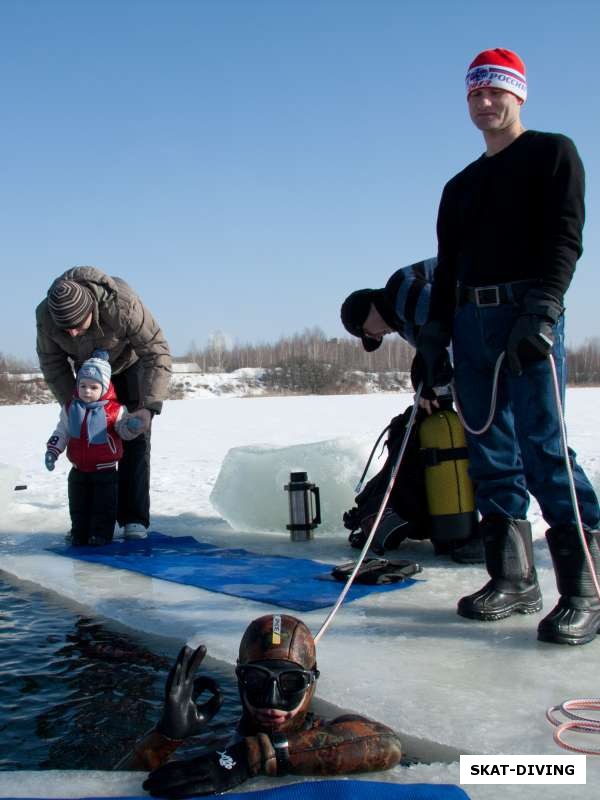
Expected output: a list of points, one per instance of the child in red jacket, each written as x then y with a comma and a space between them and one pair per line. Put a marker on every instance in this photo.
92, 426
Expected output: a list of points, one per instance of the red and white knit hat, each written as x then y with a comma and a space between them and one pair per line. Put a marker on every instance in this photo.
500, 69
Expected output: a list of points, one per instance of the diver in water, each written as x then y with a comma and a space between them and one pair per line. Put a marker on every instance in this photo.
276, 735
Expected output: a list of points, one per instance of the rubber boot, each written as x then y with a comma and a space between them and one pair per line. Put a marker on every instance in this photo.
576, 617
513, 587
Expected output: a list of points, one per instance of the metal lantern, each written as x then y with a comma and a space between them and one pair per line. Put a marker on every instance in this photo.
305, 507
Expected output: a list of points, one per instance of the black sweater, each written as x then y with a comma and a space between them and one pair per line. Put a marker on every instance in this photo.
517, 215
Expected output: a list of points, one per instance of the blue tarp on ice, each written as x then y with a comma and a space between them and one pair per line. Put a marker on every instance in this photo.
355, 790
297, 583
343, 790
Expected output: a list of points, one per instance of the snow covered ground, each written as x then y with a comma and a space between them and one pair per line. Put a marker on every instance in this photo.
402, 657
189, 382
240, 382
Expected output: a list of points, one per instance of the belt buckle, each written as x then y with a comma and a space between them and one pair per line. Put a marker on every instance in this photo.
482, 293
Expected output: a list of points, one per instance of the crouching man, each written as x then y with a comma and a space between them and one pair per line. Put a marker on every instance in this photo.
276, 735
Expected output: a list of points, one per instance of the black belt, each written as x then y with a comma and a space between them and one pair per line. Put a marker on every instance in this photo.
488, 296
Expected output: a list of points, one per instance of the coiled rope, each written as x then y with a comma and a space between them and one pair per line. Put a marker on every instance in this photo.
493, 401
576, 722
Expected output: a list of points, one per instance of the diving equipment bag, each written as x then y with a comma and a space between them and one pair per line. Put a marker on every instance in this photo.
432, 497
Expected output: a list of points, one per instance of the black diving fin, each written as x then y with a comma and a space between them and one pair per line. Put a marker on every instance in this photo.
377, 570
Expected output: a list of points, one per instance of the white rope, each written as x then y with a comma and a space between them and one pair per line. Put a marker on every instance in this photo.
564, 446
565, 449
576, 722
382, 508
494, 398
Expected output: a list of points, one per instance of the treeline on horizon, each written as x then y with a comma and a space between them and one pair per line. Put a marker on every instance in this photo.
312, 363
312, 344
347, 354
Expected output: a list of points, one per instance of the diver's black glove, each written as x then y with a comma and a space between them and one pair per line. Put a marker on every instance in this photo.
181, 716
431, 365
531, 337
210, 773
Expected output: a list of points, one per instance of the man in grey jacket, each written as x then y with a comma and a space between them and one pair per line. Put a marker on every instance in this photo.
86, 310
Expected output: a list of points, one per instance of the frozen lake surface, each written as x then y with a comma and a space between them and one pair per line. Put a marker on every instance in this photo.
402, 657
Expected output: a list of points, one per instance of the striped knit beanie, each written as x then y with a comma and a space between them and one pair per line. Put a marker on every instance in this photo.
408, 291
69, 303
498, 69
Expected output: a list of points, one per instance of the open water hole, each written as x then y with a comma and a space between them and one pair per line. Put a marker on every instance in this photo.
77, 692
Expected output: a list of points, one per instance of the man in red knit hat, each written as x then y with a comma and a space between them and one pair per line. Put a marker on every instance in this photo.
509, 235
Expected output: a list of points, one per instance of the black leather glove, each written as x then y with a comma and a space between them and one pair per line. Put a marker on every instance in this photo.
531, 337
431, 364
181, 716
210, 773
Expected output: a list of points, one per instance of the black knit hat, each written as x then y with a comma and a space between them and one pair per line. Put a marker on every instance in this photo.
355, 309
69, 303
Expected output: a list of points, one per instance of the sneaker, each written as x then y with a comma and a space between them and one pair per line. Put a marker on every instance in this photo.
135, 530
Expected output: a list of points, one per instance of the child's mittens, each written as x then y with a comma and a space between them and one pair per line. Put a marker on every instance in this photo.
49, 460
129, 427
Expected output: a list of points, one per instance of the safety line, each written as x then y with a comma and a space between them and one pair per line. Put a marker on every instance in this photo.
576, 723
382, 508
493, 401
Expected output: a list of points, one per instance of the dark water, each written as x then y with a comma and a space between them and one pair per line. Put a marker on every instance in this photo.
75, 692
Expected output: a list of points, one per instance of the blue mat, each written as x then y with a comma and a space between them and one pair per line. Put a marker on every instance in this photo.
295, 583
341, 790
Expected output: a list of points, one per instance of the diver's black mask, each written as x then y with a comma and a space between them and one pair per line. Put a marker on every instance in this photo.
275, 684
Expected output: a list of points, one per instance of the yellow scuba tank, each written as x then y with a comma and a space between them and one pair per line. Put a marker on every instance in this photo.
450, 495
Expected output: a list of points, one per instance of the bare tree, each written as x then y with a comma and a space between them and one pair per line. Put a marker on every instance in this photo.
583, 363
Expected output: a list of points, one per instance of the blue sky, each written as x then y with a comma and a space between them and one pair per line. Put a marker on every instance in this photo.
245, 164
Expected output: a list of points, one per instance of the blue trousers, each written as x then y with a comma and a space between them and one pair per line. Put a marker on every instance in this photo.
521, 451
